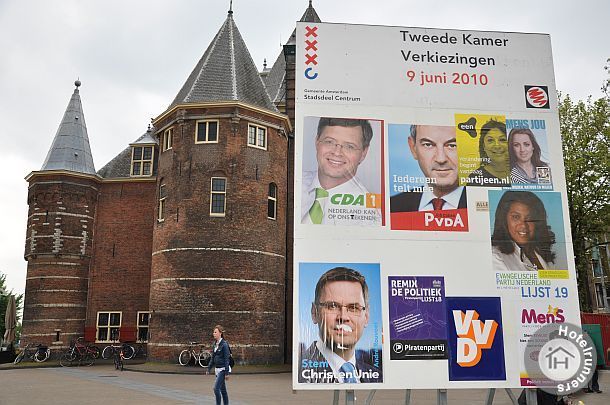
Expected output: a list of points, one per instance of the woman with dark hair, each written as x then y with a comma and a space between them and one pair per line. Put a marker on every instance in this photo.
522, 239
524, 154
220, 361
494, 170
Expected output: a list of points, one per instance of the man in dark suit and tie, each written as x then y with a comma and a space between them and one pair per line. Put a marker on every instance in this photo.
340, 311
435, 149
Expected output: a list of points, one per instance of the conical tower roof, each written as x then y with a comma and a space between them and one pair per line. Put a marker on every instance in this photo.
225, 72
70, 149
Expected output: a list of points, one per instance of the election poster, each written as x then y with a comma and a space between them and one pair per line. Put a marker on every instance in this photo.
529, 154
431, 226
340, 323
418, 326
424, 166
342, 172
482, 150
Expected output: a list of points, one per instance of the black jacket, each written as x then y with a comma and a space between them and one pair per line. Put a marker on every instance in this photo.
220, 356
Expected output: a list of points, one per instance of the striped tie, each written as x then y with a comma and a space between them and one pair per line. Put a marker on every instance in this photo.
349, 373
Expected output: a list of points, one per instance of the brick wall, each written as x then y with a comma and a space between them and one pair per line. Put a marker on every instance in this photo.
221, 270
58, 249
120, 271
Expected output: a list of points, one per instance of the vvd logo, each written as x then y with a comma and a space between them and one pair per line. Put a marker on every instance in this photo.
311, 47
474, 335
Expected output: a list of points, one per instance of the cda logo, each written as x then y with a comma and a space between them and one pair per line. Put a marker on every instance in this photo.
368, 200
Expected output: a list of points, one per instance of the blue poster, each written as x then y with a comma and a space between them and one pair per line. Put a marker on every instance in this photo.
476, 344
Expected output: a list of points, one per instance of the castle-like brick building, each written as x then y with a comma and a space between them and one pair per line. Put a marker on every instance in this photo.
190, 226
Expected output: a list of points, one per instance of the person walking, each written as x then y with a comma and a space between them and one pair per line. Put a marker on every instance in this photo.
220, 362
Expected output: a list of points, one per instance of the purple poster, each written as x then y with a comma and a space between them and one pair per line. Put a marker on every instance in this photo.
418, 323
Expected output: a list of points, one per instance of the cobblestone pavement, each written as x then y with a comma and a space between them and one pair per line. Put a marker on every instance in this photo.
101, 384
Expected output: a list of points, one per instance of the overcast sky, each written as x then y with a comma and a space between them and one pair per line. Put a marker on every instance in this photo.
133, 56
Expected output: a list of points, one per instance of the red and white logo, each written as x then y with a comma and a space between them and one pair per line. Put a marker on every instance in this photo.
536, 97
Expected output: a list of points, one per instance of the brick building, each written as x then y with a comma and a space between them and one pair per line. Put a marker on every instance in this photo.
190, 226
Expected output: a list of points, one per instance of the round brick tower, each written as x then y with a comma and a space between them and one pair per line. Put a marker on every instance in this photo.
62, 200
219, 244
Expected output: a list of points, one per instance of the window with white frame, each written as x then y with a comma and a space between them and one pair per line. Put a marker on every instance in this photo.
108, 326
206, 132
257, 136
142, 160
272, 201
162, 199
143, 319
218, 195
168, 139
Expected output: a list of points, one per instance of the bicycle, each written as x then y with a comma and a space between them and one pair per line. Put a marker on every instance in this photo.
38, 353
78, 351
140, 350
202, 357
117, 355
127, 349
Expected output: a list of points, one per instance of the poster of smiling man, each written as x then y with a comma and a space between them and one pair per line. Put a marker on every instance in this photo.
424, 190
342, 172
340, 323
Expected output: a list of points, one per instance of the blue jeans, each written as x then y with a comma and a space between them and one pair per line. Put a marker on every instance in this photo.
220, 388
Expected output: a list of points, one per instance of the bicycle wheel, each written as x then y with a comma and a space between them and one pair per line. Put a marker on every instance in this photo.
204, 359
87, 360
42, 355
95, 352
67, 359
107, 352
19, 357
128, 351
185, 357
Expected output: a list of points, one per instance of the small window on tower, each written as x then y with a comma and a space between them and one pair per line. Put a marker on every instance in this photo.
162, 199
272, 202
168, 139
218, 195
207, 132
257, 136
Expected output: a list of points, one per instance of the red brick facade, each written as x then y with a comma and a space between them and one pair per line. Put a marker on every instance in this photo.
102, 248
230, 269
58, 249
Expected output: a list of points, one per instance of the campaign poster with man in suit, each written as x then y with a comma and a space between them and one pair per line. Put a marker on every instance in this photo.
424, 190
340, 324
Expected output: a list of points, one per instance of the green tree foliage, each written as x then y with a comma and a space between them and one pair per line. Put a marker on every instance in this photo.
585, 130
4, 294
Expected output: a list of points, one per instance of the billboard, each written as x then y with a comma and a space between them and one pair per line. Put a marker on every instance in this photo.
430, 207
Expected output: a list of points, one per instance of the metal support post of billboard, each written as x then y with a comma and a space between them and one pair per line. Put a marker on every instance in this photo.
336, 397
530, 396
408, 397
350, 397
492, 392
441, 397
369, 399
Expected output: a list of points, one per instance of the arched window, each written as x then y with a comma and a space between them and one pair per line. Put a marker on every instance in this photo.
272, 202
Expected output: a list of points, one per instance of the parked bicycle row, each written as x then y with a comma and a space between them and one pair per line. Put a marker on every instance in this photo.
81, 353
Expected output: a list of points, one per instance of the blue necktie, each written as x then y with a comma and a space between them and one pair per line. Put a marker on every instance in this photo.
349, 372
